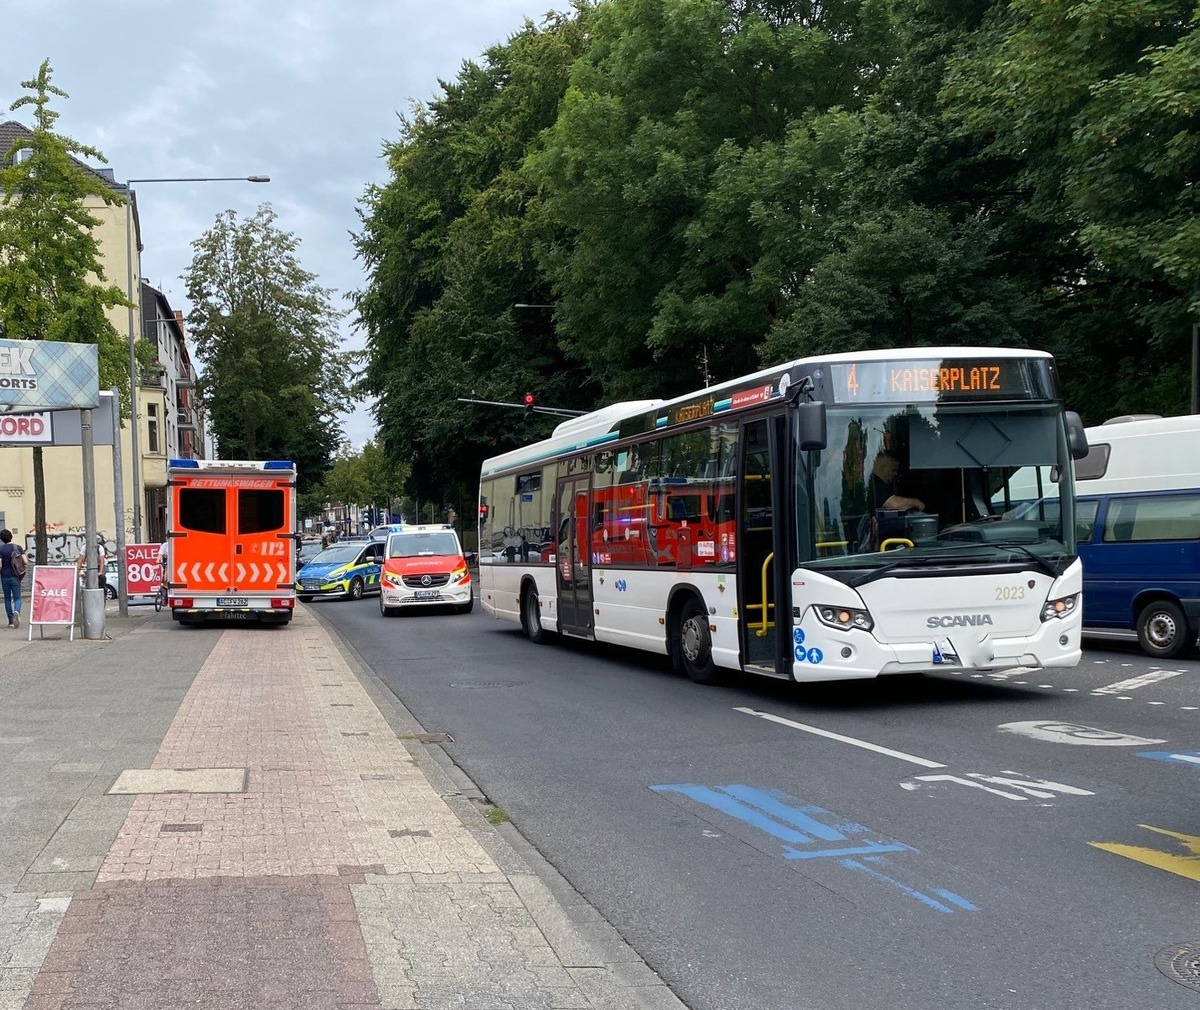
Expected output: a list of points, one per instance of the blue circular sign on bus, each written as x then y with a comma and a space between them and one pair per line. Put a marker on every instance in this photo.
815, 656
798, 636
801, 655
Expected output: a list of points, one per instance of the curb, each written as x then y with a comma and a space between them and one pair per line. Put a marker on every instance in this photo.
609, 971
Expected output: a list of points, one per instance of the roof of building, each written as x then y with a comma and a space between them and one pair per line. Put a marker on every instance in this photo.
11, 131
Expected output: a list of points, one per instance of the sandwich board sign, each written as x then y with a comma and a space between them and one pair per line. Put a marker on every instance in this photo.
52, 598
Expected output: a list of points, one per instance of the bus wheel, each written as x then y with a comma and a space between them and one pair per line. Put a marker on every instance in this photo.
531, 617
356, 588
695, 644
1162, 629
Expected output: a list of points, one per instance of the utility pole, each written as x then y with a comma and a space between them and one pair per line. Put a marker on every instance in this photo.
93, 598
119, 508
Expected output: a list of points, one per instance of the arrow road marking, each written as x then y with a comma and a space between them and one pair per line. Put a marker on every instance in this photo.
1185, 866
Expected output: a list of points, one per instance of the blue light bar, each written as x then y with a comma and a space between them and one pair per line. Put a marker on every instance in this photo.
279, 464
193, 463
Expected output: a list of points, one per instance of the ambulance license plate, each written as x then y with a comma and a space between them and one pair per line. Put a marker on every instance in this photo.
233, 601
426, 594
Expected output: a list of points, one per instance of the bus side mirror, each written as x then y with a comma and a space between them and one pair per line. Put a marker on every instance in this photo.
813, 432
1076, 436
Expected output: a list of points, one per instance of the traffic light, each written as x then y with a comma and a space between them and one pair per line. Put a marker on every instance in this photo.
483, 511
529, 402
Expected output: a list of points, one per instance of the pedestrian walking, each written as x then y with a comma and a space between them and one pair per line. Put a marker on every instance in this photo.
12, 570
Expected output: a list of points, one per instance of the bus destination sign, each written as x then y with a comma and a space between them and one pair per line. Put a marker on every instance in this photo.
923, 380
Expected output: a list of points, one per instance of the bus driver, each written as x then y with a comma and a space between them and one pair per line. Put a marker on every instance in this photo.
883, 483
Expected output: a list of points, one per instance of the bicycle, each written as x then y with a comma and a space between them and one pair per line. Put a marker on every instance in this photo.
160, 597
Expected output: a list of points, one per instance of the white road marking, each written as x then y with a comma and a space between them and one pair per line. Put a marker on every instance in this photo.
1073, 733
1016, 671
854, 742
967, 782
1133, 683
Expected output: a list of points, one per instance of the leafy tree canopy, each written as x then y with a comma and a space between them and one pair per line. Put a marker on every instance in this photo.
274, 379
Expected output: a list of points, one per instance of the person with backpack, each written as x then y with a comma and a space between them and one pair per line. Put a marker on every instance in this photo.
12, 569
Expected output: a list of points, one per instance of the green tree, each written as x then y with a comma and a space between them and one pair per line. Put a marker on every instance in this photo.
679, 168
1094, 111
448, 244
275, 380
346, 481
52, 283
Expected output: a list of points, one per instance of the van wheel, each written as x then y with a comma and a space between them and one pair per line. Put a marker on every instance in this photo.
1162, 629
386, 611
531, 617
695, 644
466, 608
356, 588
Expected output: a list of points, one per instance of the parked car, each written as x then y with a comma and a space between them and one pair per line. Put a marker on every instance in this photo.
347, 568
309, 549
112, 572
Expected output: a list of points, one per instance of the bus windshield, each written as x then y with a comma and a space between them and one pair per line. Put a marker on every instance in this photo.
938, 484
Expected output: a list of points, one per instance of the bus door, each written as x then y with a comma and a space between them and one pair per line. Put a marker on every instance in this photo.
573, 575
763, 556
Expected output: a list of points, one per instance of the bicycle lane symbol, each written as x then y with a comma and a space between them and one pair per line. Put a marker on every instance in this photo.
807, 832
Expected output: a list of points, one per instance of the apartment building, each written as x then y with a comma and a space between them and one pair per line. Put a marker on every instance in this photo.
168, 423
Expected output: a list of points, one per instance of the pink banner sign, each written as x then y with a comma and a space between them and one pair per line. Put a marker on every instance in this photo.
143, 573
53, 595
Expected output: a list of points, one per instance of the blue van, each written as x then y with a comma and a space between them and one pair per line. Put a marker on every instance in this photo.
1138, 530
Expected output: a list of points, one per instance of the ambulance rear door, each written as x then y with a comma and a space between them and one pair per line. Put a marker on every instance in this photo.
200, 543
263, 522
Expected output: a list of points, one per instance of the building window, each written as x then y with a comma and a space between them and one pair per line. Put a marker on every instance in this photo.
152, 426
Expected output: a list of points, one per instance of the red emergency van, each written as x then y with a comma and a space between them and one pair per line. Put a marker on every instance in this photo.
231, 542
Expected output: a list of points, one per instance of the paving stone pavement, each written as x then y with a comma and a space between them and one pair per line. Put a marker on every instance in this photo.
319, 855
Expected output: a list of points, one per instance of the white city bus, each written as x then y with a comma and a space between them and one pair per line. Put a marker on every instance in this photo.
760, 525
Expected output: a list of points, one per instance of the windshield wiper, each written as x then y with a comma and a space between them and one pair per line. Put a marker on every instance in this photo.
924, 555
1045, 564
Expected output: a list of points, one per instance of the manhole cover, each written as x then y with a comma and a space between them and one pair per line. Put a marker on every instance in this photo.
489, 683
434, 738
1181, 964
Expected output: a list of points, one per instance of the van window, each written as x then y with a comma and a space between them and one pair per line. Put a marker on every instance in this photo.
202, 510
259, 511
1161, 517
1085, 520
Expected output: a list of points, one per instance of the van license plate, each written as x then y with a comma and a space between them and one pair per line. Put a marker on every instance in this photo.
426, 594
233, 601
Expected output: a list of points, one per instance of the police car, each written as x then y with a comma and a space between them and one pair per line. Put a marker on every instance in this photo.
349, 569
425, 565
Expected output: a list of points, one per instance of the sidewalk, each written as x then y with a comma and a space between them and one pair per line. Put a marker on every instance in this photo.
246, 818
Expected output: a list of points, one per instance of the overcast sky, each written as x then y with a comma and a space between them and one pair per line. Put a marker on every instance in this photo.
304, 91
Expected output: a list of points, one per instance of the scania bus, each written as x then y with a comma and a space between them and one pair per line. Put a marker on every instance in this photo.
831, 518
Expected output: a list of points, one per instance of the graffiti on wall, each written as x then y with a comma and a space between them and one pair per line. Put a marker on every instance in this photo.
65, 543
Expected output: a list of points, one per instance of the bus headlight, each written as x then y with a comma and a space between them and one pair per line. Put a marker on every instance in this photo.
1064, 606
844, 618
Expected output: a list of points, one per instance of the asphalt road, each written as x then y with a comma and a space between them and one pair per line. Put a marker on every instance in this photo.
1025, 842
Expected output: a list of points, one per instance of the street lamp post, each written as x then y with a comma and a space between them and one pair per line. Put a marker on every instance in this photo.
134, 440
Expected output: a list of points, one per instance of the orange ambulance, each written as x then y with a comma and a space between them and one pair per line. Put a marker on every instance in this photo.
231, 542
